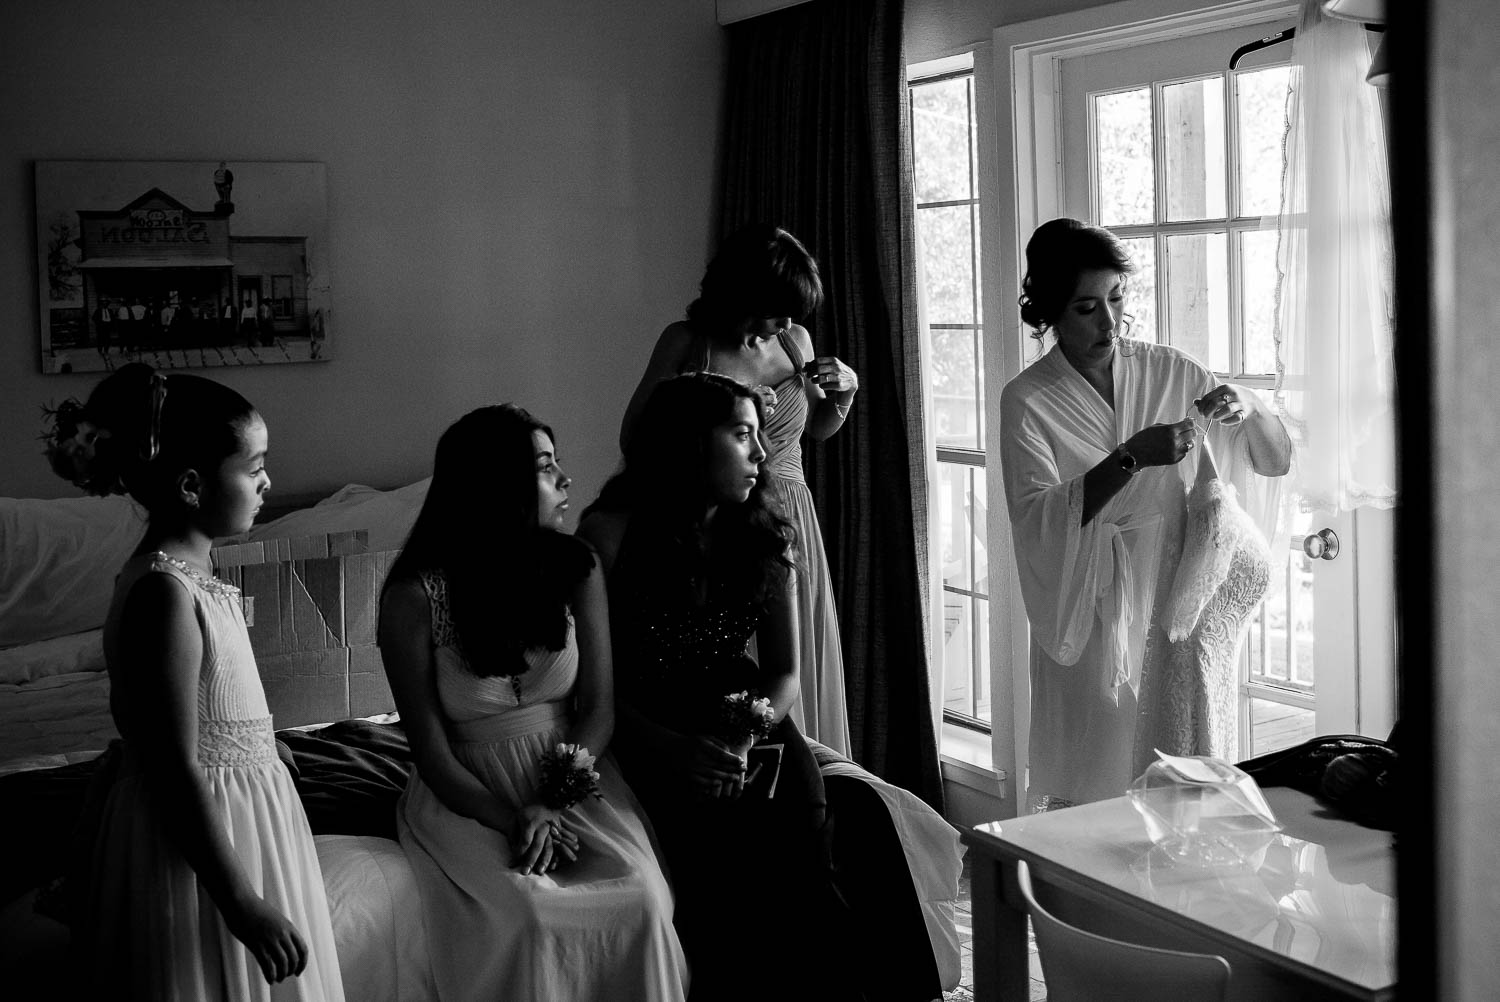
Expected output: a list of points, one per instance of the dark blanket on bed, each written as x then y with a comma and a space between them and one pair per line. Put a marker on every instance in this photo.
349, 776
41, 808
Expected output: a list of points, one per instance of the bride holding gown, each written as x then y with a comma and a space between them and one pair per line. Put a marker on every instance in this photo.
1098, 450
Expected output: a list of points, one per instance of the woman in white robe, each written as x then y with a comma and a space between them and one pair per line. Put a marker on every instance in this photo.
1093, 437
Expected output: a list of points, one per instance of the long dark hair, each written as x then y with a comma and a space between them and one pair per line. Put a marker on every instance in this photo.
1059, 251
140, 429
663, 487
759, 271
508, 579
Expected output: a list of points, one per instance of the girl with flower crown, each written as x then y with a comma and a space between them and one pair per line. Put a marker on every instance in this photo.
698, 560
537, 873
204, 881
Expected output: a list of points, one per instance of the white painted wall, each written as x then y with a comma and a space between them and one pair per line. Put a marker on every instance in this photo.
520, 198
935, 28
1464, 135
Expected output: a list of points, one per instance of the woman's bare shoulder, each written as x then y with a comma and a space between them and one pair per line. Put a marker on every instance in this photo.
803, 340
404, 600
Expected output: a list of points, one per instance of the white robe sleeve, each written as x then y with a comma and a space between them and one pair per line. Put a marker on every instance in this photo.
1072, 575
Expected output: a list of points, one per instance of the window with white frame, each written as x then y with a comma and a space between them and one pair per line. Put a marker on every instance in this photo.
945, 161
1187, 173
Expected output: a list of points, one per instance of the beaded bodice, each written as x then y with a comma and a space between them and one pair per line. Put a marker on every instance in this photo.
692, 641
679, 662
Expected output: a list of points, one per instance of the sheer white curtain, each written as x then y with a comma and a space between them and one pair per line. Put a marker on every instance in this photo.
1334, 315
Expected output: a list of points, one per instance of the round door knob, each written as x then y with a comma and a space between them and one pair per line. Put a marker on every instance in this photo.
1321, 545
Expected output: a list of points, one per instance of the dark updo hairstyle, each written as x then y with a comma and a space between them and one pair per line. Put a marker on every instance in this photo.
1058, 253
663, 487
759, 271
140, 429
509, 580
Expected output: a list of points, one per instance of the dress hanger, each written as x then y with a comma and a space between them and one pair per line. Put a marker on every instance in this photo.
1284, 35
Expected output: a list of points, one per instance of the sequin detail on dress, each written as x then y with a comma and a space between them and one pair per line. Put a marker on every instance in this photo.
211, 585
696, 641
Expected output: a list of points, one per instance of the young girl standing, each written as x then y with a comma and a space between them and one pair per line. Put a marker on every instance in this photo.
205, 882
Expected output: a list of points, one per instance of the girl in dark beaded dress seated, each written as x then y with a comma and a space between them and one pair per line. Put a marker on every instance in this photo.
697, 560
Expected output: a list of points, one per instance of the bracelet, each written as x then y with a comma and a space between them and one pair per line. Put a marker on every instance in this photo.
567, 776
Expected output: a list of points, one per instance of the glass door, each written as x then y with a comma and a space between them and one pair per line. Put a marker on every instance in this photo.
1181, 158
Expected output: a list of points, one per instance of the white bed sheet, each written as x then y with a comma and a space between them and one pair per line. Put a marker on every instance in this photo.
377, 919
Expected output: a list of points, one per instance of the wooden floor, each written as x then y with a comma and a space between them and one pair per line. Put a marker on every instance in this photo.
964, 916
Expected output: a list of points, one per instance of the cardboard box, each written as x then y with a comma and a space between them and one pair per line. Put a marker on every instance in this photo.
312, 606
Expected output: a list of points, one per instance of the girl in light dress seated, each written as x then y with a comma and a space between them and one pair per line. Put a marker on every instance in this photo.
204, 881
535, 863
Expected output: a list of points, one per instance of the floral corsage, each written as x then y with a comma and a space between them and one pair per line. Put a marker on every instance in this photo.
568, 776
745, 716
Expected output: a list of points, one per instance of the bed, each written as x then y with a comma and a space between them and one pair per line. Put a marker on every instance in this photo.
311, 579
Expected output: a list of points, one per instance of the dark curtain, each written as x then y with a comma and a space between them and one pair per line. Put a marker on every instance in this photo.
816, 140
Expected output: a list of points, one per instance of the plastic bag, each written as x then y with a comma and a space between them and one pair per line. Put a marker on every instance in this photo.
1203, 809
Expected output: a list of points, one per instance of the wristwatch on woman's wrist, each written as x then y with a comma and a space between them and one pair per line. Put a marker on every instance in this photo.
1127, 462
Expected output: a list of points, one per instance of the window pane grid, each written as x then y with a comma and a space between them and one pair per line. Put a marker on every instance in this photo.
965, 648
1225, 137
1187, 173
945, 161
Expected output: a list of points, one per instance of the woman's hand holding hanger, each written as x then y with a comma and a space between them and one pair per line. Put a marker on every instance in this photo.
1230, 404
1162, 444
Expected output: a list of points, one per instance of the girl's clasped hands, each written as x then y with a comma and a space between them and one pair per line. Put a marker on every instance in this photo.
542, 840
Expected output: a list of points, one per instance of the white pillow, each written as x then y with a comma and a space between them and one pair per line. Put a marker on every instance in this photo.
386, 515
58, 561
68, 655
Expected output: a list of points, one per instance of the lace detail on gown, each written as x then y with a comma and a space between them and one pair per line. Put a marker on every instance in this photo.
1188, 701
436, 587
236, 742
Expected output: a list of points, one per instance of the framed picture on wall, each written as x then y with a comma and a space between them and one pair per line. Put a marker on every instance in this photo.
181, 264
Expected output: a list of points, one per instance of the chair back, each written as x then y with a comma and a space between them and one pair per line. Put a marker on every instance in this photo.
1081, 966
